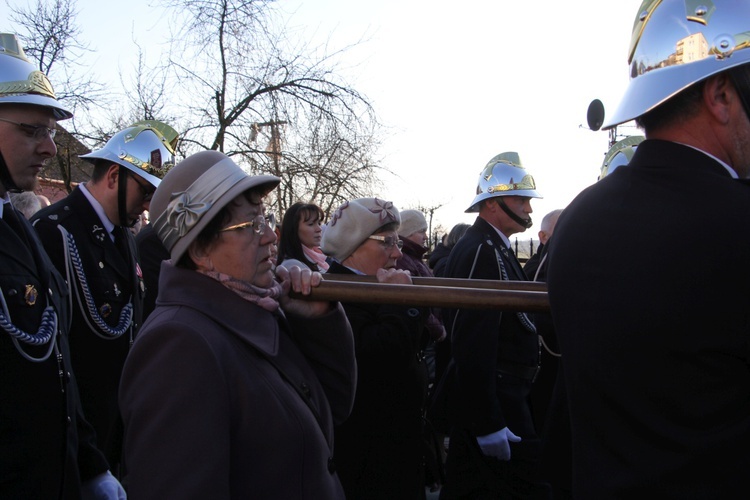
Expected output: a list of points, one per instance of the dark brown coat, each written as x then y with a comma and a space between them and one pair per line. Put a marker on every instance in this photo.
208, 416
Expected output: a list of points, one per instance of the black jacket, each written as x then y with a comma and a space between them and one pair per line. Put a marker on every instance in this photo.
653, 331
46, 447
113, 282
378, 449
485, 342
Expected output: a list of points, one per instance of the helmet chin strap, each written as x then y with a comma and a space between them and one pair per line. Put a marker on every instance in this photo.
6, 179
526, 223
741, 78
122, 196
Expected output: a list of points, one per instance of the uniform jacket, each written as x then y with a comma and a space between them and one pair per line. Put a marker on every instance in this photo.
208, 416
485, 342
114, 281
378, 449
654, 332
151, 253
46, 448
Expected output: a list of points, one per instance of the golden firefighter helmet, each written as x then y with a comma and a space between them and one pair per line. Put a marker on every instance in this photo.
676, 43
620, 154
142, 148
22, 83
504, 175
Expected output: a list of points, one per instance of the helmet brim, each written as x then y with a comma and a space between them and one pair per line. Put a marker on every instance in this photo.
59, 111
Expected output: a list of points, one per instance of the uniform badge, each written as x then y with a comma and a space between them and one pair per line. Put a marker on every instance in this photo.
99, 233
30, 295
105, 310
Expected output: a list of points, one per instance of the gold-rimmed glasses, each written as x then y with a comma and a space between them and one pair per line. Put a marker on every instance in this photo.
387, 241
258, 224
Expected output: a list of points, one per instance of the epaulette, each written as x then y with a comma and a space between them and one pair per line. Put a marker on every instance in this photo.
58, 215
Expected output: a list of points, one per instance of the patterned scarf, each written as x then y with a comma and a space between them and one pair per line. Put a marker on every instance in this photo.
316, 256
267, 298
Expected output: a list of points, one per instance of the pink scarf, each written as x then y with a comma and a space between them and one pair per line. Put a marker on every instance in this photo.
316, 256
267, 298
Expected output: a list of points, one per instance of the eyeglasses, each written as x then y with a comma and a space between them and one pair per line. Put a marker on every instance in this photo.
388, 241
147, 190
38, 132
258, 224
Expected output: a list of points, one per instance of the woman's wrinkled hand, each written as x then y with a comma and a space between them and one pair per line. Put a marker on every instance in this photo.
297, 277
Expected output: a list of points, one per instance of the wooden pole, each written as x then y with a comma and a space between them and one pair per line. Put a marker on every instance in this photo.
458, 296
529, 286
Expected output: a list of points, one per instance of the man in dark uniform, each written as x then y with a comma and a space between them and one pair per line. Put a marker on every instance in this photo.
654, 333
86, 234
47, 449
494, 448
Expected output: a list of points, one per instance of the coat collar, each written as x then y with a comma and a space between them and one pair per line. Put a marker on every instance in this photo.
247, 321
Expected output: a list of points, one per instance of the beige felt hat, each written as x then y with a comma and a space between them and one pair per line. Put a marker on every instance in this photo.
194, 191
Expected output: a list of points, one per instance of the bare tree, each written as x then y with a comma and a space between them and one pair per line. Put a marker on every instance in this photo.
278, 108
51, 38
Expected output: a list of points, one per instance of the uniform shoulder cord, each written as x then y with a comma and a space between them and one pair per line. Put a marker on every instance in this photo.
74, 266
544, 344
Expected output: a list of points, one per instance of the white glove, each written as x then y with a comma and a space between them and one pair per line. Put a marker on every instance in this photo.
497, 444
103, 487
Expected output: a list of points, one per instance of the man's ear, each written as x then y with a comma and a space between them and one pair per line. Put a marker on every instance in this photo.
719, 94
112, 176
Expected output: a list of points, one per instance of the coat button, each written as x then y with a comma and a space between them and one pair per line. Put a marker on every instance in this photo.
331, 465
305, 389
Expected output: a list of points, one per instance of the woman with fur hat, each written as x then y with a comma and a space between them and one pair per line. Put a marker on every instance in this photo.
232, 388
379, 447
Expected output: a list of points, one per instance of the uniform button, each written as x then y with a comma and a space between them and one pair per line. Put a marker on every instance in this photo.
331, 465
49, 290
69, 420
413, 313
67, 376
305, 389
12, 292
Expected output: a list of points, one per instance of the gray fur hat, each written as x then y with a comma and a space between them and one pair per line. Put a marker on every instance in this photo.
353, 222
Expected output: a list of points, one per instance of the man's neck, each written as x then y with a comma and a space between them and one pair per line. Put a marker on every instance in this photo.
98, 192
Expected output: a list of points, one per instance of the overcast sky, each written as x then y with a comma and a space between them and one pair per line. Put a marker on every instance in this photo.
455, 82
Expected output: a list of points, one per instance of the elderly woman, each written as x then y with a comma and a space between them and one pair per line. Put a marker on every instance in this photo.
379, 448
232, 388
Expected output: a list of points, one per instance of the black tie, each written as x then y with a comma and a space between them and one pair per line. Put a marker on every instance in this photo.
516, 265
121, 242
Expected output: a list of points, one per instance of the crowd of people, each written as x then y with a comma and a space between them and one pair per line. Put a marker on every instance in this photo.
180, 355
